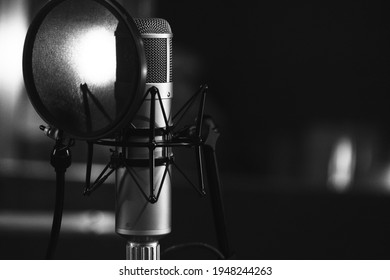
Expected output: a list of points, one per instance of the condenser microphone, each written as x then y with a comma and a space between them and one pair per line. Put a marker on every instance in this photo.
143, 185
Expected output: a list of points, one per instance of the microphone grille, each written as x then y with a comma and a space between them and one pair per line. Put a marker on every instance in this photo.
156, 35
153, 26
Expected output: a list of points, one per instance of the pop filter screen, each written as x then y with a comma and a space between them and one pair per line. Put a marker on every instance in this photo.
84, 67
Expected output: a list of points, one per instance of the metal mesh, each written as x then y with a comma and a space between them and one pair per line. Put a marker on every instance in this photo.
170, 58
157, 49
153, 26
156, 59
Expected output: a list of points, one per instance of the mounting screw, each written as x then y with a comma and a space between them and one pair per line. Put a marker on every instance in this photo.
152, 199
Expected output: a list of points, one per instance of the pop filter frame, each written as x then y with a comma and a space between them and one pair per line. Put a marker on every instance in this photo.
132, 100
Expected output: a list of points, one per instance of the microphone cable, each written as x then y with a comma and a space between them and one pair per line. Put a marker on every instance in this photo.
206, 246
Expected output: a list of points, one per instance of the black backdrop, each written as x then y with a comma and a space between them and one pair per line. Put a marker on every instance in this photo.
281, 66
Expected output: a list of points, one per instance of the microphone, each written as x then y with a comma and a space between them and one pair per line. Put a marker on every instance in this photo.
143, 185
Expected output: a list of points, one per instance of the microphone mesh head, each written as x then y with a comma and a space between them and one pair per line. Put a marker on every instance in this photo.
153, 26
158, 48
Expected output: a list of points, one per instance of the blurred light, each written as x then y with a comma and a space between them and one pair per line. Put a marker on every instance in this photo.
41, 170
82, 222
94, 57
384, 178
342, 165
13, 28
87, 222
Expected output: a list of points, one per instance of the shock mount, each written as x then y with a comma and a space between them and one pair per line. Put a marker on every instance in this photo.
202, 136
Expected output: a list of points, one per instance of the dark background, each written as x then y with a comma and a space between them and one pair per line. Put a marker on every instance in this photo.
287, 81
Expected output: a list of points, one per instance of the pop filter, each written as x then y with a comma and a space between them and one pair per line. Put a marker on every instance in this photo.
84, 67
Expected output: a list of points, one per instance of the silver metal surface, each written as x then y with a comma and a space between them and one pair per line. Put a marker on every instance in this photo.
135, 216
143, 251
165, 89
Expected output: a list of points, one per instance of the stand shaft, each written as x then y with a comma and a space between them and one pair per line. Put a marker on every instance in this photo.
143, 251
57, 217
216, 200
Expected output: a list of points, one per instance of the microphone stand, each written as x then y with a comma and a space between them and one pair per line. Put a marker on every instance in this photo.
211, 166
60, 159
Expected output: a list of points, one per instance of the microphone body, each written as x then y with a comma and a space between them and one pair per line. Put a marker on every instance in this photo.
139, 221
